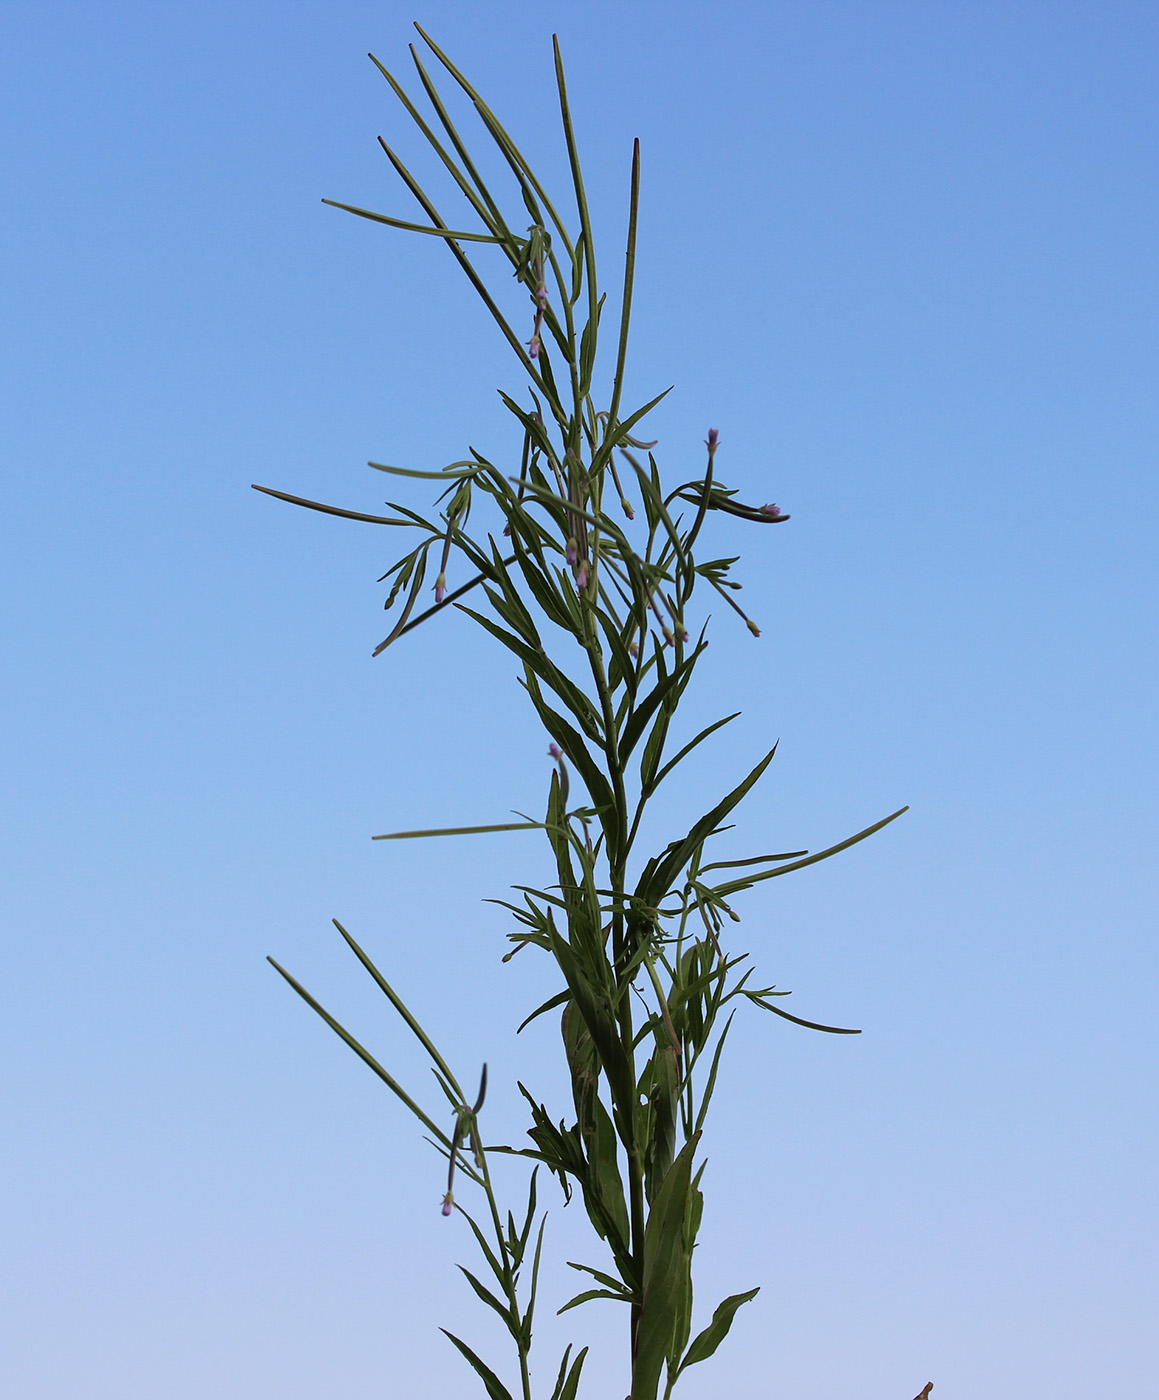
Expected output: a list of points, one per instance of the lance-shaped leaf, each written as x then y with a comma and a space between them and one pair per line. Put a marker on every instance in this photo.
660, 873
567, 1382
707, 1341
654, 782
364, 1055
330, 510
496, 1390
458, 831
537, 661
666, 686
732, 886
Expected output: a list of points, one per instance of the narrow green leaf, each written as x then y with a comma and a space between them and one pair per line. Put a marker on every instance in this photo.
659, 874
458, 831
752, 860
485, 1295
687, 749
412, 228
485, 207
629, 278
660, 692
710, 1085
404, 1011
606, 1279
331, 510
618, 434
452, 472
566, 1386
707, 1341
589, 1295
538, 661
499, 136
743, 884
549, 1005
797, 1020
364, 1055
496, 1390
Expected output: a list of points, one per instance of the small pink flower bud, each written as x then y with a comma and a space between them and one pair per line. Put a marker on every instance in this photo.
533, 347
440, 588
581, 576
448, 1203
770, 510
541, 297
554, 751
634, 648
571, 554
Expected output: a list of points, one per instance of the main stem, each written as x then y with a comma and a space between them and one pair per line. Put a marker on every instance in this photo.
617, 863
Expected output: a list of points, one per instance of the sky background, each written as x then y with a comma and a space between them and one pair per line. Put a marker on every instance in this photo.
903, 257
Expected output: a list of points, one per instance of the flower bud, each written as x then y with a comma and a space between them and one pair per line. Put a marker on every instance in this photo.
581, 576
554, 751
571, 554
448, 1203
440, 588
770, 510
753, 628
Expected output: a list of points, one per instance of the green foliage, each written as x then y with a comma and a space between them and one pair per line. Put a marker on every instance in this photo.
595, 608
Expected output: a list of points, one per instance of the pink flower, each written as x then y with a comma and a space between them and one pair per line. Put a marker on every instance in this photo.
440, 588
770, 510
448, 1203
571, 554
581, 577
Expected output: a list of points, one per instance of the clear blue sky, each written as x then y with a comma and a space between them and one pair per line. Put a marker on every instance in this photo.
904, 257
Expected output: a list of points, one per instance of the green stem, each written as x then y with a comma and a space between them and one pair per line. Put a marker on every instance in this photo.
508, 1274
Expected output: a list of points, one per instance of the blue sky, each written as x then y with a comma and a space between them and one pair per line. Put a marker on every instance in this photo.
903, 256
